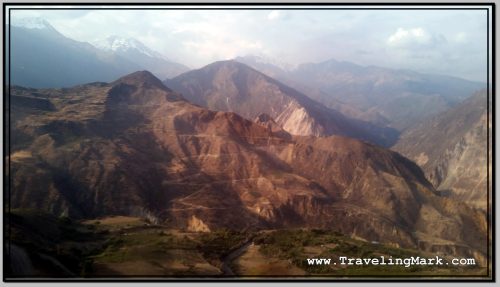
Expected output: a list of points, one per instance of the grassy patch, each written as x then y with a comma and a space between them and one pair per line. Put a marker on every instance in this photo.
151, 243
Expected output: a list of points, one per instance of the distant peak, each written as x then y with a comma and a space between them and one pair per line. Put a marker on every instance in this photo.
31, 23
121, 44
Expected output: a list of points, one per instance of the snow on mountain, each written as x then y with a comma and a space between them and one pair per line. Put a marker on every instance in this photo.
31, 23
121, 44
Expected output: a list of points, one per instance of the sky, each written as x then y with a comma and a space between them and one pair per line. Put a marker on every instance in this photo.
450, 42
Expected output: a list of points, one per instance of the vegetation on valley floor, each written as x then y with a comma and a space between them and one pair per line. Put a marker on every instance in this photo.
120, 245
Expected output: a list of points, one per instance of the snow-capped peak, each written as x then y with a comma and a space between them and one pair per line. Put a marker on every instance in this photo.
31, 23
121, 44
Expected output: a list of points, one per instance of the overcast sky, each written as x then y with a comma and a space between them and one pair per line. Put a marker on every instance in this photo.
432, 41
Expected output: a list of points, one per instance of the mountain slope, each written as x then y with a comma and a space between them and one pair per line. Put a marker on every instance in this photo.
404, 97
452, 150
232, 86
138, 53
134, 147
380, 95
41, 57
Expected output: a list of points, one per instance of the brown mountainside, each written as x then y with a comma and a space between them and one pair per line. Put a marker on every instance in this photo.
235, 87
133, 147
452, 150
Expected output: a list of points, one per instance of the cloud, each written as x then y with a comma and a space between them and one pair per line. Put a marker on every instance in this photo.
213, 36
403, 37
221, 48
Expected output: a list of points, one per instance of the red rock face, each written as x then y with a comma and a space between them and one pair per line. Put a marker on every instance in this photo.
134, 147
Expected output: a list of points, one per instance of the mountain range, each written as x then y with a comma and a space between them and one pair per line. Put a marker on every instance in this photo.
398, 98
135, 147
59, 61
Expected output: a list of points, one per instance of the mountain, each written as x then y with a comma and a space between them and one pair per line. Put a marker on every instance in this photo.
138, 53
452, 150
283, 72
399, 98
236, 87
134, 147
41, 57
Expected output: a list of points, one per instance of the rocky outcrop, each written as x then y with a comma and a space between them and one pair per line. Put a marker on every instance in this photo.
197, 225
